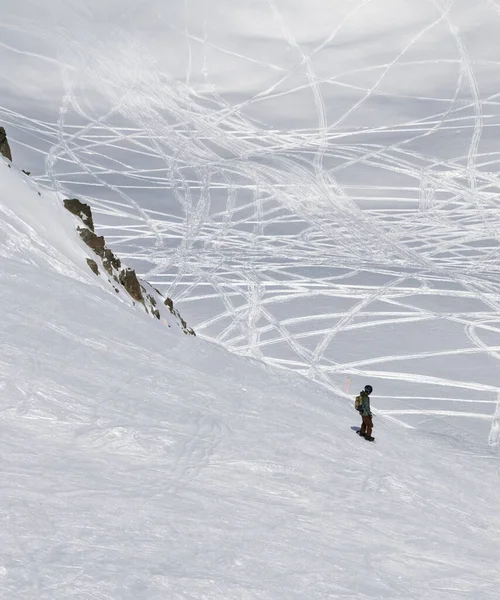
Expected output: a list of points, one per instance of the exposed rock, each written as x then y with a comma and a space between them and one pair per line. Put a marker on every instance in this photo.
96, 242
110, 261
129, 280
123, 276
187, 330
4, 145
93, 265
82, 210
151, 299
151, 302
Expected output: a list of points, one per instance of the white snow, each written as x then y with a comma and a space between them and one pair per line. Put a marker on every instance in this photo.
140, 463
315, 184
300, 177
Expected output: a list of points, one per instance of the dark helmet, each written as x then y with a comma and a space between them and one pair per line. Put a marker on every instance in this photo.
368, 389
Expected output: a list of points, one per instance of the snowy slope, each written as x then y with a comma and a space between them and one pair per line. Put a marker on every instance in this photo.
139, 463
312, 182
41, 224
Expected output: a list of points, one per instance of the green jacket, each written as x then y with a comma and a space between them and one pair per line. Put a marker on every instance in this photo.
365, 404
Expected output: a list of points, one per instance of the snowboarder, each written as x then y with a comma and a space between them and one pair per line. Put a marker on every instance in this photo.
366, 414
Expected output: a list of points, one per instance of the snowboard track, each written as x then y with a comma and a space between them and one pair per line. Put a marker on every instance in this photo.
261, 234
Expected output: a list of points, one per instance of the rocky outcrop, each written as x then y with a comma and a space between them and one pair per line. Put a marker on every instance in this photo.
120, 278
4, 145
170, 305
140, 291
80, 210
111, 262
129, 280
96, 242
93, 266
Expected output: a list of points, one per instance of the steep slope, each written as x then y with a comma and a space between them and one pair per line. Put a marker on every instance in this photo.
37, 221
139, 463
298, 176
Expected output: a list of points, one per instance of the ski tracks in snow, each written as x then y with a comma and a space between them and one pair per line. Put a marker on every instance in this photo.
301, 246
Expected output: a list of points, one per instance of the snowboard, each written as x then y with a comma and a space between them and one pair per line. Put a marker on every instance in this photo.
357, 430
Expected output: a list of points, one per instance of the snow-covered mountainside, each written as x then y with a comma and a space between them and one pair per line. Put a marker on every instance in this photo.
39, 222
313, 182
139, 463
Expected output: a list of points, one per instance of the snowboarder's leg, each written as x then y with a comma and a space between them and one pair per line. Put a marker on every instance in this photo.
369, 425
362, 431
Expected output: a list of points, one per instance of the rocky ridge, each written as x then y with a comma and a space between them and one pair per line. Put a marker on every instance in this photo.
119, 276
106, 264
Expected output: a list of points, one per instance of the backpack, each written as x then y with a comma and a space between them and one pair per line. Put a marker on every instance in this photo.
358, 403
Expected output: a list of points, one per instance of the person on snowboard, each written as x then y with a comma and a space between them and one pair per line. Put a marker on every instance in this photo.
366, 414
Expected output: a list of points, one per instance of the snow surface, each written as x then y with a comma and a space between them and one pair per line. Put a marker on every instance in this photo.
140, 463
313, 183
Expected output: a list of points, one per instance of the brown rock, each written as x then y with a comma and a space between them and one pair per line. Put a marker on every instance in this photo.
110, 261
152, 301
82, 210
170, 305
93, 265
96, 242
4, 145
129, 280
